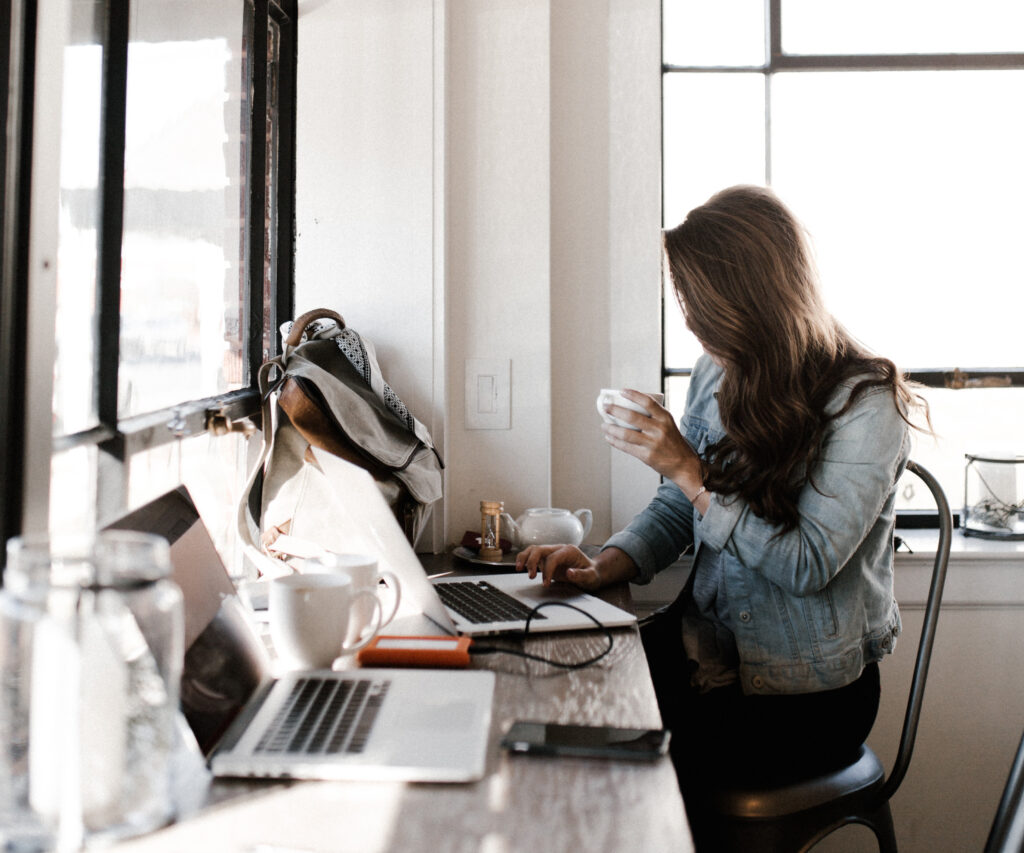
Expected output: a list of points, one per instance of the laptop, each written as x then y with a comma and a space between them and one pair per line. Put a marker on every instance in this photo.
367, 724
473, 605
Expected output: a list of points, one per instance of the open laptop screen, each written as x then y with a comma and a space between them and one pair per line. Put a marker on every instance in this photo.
225, 659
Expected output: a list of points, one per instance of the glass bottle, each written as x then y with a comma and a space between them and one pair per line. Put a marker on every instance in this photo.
94, 667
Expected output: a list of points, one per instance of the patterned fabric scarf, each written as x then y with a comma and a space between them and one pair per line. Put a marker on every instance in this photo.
362, 357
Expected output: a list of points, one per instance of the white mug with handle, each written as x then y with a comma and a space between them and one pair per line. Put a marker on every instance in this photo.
310, 616
614, 397
366, 577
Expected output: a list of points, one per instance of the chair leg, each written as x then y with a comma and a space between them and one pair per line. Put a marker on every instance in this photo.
881, 824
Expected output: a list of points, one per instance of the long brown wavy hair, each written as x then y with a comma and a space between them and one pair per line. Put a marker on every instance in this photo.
748, 288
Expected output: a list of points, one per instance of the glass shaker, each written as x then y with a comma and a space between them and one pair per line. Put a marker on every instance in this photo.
91, 651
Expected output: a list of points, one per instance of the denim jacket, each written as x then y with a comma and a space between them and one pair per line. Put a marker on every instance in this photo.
811, 607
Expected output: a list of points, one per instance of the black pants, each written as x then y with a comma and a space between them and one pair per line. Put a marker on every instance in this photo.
724, 735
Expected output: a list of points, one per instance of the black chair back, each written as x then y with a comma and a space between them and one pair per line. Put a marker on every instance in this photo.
924, 648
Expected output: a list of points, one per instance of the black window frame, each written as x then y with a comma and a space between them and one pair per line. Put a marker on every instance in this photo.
18, 30
118, 439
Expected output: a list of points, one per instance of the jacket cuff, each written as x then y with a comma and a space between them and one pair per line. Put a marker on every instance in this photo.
717, 524
639, 551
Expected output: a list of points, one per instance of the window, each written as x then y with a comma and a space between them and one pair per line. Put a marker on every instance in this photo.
894, 130
174, 247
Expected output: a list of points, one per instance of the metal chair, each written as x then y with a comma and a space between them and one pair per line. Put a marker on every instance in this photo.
795, 816
1007, 833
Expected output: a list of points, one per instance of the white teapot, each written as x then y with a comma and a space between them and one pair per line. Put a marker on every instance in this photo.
545, 525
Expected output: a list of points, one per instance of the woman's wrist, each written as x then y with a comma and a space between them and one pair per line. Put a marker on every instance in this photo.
691, 483
613, 565
690, 480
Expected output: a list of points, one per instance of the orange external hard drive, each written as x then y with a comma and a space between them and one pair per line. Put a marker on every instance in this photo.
441, 651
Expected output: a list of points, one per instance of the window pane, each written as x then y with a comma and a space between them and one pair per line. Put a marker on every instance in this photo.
910, 184
964, 423
713, 137
74, 404
675, 395
213, 469
720, 33
182, 248
271, 204
681, 346
902, 26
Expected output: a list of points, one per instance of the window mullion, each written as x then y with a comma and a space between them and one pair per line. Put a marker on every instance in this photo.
112, 477
19, 30
257, 195
111, 218
773, 49
284, 305
773, 31
897, 62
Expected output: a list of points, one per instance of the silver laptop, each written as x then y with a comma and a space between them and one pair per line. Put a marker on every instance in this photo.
373, 724
473, 605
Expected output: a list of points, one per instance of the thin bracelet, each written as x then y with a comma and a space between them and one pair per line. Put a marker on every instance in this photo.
700, 491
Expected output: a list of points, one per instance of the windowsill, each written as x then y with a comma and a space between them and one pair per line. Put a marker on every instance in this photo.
961, 548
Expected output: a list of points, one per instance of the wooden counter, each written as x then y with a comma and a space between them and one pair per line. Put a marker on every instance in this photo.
524, 803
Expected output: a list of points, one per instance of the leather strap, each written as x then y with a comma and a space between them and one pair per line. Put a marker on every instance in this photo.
303, 321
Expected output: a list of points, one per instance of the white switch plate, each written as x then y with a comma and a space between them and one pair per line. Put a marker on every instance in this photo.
488, 393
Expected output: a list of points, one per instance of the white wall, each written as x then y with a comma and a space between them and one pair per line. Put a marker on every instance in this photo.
481, 180
606, 173
365, 214
498, 127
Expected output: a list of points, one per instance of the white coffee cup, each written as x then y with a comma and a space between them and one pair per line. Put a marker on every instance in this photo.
366, 577
310, 616
614, 397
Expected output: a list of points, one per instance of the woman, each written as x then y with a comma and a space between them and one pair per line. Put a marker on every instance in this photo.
782, 477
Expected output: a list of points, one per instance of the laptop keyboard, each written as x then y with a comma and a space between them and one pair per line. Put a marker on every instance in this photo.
480, 603
323, 716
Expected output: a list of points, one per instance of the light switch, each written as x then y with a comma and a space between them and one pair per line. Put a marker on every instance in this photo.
488, 393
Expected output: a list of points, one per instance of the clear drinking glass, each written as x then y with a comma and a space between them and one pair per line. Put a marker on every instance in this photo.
91, 650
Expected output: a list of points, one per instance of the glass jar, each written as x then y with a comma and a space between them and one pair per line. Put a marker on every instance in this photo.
90, 662
994, 496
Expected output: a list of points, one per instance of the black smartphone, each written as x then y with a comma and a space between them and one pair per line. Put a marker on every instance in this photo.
586, 741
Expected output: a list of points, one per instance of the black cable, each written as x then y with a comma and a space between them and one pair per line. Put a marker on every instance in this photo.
474, 649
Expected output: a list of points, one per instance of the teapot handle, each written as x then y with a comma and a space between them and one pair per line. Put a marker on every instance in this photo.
586, 518
508, 523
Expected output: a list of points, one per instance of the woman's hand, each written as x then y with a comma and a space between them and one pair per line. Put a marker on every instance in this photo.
657, 442
559, 563
568, 563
